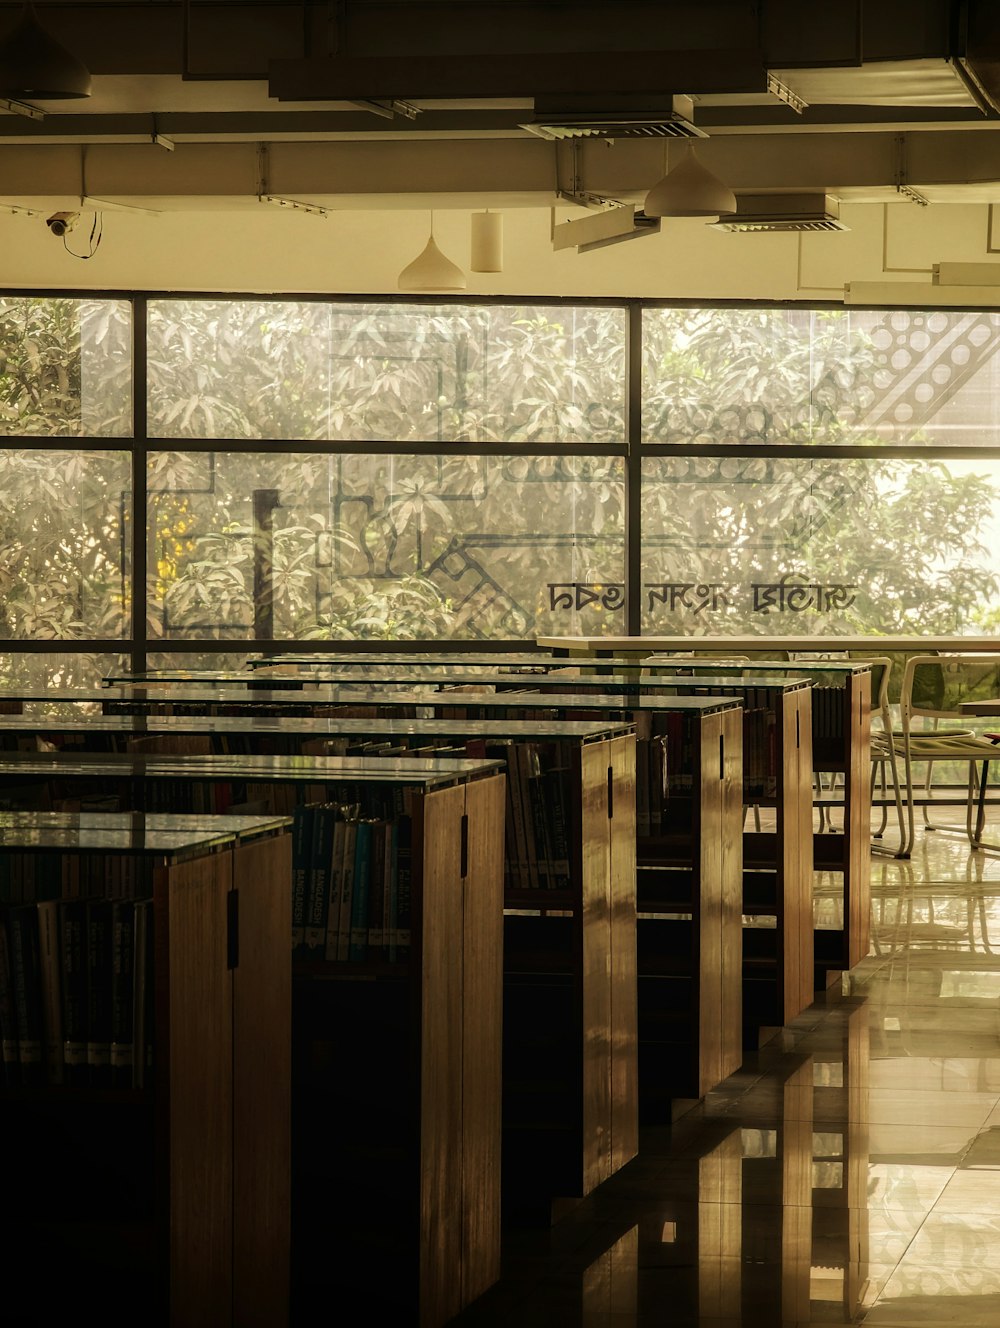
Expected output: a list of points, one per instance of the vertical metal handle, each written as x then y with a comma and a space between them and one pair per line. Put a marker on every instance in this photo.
464, 867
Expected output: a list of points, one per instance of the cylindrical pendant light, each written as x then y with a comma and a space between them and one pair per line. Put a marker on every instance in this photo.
487, 241
689, 190
35, 67
431, 272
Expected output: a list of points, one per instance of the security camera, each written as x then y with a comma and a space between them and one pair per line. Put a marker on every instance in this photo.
61, 222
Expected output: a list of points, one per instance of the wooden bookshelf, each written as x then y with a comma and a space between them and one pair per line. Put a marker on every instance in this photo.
174, 1194
778, 967
398, 1079
841, 744
570, 1030
562, 1135
397, 1066
689, 857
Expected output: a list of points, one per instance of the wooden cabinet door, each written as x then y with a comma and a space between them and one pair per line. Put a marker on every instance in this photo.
262, 1020
196, 1056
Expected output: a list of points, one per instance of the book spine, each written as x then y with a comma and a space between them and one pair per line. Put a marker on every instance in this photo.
72, 945
376, 894
404, 880
48, 968
8, 1023
523, 761
99, 991
23, 932
346, 893
556, 781
142, 1002
392, 888
301, 847
540, 822
336, 889
519, 851
122, 991
318, 880
358, 951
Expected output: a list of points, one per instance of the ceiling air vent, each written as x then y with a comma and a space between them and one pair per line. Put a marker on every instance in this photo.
783, 212
556, 123
613, 126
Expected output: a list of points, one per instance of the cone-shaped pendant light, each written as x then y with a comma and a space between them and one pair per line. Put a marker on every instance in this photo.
689, 190
431, 272
35, 67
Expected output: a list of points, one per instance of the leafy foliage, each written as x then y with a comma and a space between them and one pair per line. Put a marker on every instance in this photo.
911, 536
406, 545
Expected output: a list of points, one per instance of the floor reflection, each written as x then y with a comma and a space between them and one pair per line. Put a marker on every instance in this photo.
848, 1173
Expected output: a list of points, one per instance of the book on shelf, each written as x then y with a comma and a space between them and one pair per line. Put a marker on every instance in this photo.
540, 832
392, 891
376, 893
341, 950
122, 984
318, 874
49, 973
142, 994
22, 933
404, 884
557, 794
519, 870
301, 855
99, 985
358, 948
8, 1025
332, 938
73, 988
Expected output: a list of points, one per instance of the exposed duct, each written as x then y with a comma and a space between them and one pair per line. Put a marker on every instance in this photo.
675, 122
769, 213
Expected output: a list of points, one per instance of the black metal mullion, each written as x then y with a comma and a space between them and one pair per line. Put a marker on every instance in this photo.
633, 471
140, 503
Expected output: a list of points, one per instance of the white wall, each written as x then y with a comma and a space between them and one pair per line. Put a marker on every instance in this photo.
268, 249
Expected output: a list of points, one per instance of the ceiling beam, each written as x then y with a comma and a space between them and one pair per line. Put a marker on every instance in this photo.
394, 174
655, 73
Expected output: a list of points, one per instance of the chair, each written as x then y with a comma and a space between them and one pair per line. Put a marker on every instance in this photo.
933, 688
883, 749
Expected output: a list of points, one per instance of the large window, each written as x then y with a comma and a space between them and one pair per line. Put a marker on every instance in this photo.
310, 470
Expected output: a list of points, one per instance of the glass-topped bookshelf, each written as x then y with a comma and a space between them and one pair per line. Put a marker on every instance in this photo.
131, 832
517, 730
426, 773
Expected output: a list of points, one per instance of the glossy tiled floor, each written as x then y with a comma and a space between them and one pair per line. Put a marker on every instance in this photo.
849, 1173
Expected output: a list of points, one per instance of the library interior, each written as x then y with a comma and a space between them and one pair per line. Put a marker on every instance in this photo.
507, 492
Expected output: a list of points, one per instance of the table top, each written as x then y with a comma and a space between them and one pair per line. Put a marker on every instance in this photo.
875, 645
988, 707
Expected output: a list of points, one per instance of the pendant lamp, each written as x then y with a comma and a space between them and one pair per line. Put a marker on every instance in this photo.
689, 190
431, 272
35, 67
487, 242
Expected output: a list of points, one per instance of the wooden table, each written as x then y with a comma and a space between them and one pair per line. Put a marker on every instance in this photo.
650, 644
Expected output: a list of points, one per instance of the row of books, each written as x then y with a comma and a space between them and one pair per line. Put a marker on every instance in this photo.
351, 884
828, 714
76, 993
30, 878
665, 763
539, 799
